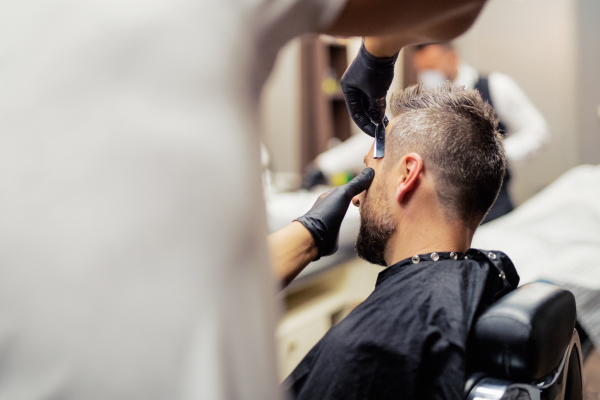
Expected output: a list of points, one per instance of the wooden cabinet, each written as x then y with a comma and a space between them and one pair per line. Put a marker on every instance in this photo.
324, 117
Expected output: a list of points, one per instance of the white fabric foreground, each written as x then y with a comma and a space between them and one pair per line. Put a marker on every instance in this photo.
134, 262
555, 236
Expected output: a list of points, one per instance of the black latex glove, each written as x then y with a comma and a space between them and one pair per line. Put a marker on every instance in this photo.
365, 84
325, 217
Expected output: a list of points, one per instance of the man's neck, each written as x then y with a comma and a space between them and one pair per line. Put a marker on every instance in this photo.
421, 237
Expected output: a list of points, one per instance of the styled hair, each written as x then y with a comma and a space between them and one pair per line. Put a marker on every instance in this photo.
456, 133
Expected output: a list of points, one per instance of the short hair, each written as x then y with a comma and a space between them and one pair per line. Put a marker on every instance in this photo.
456, 133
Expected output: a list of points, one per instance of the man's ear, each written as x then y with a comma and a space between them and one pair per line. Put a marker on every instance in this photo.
410, 169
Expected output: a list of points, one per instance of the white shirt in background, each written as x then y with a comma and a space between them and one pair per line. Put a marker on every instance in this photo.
526, 129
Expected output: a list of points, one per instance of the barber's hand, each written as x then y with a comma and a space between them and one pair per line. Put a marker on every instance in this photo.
365, 84
324, 219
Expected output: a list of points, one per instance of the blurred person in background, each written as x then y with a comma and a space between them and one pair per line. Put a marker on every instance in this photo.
132, 223
522, 124
524, 127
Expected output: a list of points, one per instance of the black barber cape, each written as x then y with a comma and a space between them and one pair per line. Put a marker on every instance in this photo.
408, 339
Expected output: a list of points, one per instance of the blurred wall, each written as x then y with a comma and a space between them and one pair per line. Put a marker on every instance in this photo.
534, 42
280, 107
588, 75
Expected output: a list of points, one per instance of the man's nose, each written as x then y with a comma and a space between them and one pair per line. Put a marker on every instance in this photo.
356, 200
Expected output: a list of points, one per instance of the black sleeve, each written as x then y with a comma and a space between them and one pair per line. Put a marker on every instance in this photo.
443, 369
364, 372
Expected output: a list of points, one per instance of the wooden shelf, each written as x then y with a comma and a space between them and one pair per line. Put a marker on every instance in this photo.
324, 114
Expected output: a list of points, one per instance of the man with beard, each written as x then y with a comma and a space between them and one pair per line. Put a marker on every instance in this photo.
442, 171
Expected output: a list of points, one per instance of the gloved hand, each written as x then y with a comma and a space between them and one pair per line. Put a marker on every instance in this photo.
365, 84
324, 219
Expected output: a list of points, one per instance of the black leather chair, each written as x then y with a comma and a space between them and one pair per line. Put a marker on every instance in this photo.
526, 347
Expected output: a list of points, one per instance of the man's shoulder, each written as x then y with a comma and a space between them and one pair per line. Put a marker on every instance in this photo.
434, 277
416, 316
403, 325
443, 289
410, 298
475, 265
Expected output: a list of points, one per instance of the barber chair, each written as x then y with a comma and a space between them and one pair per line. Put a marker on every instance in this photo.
525, 346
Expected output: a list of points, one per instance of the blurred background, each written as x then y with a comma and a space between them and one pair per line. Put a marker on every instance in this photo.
551, 49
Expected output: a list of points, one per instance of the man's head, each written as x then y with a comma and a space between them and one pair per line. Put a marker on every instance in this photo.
443, 167
435, 63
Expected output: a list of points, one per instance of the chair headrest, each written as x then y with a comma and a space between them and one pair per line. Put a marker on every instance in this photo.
524, 335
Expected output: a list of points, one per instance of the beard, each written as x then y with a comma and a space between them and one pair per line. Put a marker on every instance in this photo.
376, 227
